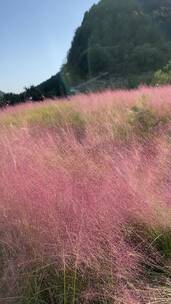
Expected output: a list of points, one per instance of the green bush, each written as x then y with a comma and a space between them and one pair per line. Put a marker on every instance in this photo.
162, 76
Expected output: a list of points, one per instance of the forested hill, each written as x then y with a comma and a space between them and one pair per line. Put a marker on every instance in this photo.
1, 93
128, 39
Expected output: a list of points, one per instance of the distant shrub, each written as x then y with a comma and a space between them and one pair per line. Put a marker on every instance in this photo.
162, 76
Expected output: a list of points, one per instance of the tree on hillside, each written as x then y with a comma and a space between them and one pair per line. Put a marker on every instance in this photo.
33, 93
53, 87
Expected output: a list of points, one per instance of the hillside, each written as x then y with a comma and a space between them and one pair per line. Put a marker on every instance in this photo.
85, 200
128, 39
1, 93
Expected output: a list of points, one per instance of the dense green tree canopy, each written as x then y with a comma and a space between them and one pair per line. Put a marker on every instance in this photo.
123, 38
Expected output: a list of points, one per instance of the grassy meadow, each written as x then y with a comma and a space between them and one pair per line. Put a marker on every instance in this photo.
85, 199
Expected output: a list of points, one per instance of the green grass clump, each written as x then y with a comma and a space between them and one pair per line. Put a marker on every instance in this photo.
61, 117
142, 120
156, 238
62, 284
161, 240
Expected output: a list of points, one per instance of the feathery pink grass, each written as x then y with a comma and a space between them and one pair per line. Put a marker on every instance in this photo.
85, 199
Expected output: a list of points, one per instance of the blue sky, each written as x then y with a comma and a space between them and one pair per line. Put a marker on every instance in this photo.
35, 36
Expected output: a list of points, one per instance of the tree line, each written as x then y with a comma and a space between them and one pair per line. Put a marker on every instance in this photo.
51, 88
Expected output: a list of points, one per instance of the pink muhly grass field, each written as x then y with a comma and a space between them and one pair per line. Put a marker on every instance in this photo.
85, 199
